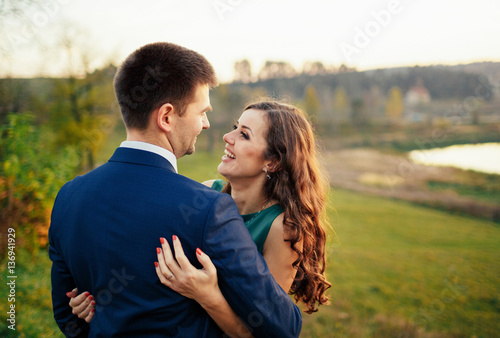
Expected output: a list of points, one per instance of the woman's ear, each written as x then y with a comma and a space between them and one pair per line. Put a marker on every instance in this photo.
165, 117
272, 166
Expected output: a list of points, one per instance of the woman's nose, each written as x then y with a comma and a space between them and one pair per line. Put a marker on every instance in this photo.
228, 138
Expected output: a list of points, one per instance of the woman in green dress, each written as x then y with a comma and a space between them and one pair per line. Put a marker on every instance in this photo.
274, 177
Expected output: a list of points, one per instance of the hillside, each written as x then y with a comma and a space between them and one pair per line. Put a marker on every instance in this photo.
491, 70
442, 82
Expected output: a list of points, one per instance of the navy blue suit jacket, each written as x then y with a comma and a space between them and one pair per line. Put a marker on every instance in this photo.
103, 237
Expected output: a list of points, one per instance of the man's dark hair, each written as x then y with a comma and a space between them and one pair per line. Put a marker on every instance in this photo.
156, 74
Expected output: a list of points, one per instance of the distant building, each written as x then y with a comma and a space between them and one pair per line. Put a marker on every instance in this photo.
417, 95
415, 99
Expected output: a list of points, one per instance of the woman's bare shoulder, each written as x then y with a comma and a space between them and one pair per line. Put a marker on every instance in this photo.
276, 232
208, 183
278, 235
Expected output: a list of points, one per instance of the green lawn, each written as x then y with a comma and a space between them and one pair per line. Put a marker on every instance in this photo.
397, 270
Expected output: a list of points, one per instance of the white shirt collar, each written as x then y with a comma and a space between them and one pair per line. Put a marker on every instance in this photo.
169, 156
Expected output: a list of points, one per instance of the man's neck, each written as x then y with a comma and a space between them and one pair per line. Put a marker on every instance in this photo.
144, 136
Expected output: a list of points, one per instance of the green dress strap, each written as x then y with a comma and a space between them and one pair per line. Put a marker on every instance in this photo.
218, 185
259, 223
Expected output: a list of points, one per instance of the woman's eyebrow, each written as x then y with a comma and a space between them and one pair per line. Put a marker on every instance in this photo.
246, 127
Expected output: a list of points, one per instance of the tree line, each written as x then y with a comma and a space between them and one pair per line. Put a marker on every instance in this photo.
52, 128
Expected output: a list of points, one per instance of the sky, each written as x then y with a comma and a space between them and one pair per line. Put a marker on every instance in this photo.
365, 34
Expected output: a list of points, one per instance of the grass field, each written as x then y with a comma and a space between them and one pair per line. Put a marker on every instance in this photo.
397, 270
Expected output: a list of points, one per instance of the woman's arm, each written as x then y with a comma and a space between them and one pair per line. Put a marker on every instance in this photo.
201, 285
279, 254
182, 277
198, 284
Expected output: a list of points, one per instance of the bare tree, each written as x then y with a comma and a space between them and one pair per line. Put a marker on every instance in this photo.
242, 71
277, 70
84, 102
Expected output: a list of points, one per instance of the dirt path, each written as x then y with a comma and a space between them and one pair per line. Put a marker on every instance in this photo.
373, 172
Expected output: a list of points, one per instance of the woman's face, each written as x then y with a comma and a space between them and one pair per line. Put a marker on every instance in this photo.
245, 147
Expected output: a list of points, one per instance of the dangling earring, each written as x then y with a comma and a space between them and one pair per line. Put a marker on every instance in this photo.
267, 175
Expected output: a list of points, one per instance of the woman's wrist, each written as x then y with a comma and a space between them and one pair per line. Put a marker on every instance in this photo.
212, 300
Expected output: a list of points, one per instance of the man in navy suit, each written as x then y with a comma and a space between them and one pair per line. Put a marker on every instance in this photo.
106, 224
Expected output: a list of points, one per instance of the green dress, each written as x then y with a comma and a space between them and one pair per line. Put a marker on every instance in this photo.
259, 223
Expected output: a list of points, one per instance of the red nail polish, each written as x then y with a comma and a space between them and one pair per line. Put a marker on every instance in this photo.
162, 240
93, 303
198, 251
158, 250
156, 264
68, 294
91, 298
87, 294
92, 310
174, 237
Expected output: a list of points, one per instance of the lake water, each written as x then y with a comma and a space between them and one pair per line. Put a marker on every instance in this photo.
479, 157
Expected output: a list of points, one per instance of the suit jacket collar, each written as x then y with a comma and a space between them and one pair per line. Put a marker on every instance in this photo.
142, 157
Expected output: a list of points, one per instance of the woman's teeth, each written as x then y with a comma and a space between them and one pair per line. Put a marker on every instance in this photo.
228, 154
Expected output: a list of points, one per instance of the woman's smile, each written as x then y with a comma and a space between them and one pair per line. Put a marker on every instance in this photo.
229, 156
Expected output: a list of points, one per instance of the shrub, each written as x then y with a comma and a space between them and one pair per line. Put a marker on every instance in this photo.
30, 176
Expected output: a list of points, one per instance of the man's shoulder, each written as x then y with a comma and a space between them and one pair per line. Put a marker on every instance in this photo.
110, 177
197, 188
85, 178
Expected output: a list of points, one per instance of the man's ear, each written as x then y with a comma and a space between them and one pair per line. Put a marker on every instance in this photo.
165, 117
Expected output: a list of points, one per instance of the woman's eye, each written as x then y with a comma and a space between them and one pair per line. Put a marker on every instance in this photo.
243, 134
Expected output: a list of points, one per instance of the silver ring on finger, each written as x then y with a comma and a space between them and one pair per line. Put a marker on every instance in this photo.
171, 275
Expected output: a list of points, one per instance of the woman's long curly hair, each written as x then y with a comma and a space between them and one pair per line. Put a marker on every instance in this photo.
299, 185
